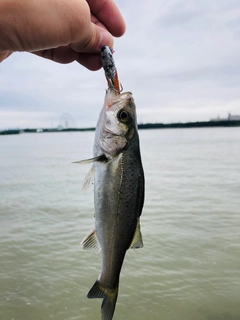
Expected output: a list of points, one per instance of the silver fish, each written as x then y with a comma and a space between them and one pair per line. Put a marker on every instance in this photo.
118, 189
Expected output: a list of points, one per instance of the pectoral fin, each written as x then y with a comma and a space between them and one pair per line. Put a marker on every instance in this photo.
101, 158
90, 242
89, 178
137, 241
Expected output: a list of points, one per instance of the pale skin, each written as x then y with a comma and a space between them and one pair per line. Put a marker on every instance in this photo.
60, 30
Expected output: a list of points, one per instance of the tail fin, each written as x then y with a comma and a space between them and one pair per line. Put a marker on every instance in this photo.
109, 299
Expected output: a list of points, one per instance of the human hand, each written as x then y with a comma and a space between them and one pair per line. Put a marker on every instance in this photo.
63, 30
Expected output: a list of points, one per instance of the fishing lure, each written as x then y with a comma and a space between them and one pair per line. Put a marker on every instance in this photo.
110, 69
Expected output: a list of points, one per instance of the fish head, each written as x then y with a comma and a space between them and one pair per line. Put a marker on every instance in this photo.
120, 112
117, 124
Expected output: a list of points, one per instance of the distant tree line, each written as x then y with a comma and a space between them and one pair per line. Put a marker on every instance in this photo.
201, 124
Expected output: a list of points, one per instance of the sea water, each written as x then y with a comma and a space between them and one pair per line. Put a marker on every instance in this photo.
189, 268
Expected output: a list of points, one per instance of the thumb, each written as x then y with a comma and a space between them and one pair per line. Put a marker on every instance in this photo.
93, 39
4, 55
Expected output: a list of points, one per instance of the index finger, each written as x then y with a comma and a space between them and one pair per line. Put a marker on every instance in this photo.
108, 13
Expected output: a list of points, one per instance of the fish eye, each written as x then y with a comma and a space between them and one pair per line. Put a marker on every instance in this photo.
123, 116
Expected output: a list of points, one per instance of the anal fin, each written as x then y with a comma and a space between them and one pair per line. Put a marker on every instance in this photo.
137, 241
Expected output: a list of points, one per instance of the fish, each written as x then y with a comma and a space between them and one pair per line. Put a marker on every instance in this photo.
118, 180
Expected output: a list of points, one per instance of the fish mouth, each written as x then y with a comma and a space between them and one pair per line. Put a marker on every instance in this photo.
113, 98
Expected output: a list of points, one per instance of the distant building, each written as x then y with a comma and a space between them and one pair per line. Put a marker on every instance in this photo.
234, 117
229, 118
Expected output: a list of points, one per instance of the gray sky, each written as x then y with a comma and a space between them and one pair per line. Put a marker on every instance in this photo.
180, 59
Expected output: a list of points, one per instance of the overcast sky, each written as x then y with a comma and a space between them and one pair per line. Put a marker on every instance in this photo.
180, 59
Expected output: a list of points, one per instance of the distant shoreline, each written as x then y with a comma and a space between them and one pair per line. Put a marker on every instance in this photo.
198, 124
